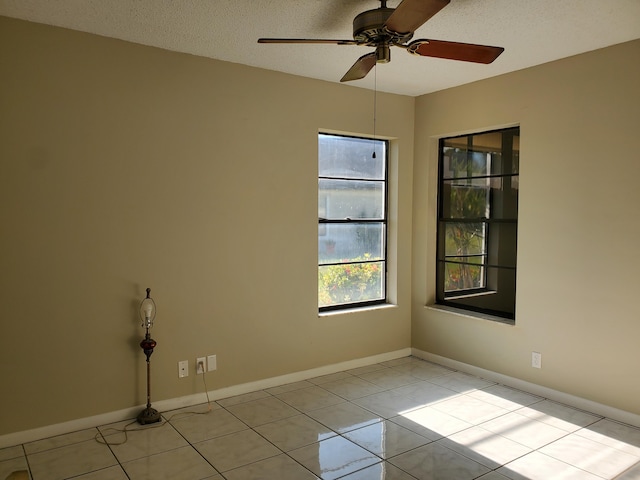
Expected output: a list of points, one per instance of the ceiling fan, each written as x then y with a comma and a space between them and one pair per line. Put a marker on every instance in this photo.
385, 27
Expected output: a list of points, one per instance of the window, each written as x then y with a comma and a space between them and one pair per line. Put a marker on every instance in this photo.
352, 221
478, 222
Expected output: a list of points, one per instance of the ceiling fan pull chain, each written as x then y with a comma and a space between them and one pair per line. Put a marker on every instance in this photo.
375, 98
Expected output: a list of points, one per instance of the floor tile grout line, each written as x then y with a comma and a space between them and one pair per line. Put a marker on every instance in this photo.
570, 465
26, 459
124, 471
192, 446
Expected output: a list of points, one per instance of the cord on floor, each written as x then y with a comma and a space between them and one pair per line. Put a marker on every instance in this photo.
100, 436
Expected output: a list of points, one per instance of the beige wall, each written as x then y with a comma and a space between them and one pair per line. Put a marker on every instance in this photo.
124, 167
579, 225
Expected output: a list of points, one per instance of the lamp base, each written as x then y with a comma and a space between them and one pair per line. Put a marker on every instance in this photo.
148, 415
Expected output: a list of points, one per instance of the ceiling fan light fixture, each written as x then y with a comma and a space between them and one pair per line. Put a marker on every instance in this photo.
383, 53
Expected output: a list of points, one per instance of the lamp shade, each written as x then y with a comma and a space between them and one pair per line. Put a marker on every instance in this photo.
148, 310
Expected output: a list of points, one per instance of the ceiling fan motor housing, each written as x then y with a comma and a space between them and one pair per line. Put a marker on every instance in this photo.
369, 29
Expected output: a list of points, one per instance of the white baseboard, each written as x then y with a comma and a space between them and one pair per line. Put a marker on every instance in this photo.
555, 395
26, 436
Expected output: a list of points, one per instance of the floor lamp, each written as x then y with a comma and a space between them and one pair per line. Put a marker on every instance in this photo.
147, 314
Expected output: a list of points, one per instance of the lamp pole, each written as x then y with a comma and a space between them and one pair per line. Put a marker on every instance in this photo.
148, 313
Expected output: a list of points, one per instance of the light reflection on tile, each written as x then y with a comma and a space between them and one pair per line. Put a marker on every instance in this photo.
614, 434
537, 466
431, 423
386, 439
558, 415
334, 458
524, 430
505, 397
435, 461
344, 417
294, 432
591, 456
484, 447
470, 409
397, 420
280, 467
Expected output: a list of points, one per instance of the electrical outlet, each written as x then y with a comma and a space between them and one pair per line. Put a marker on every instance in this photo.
183, 368
536, 360
201, 365
212, 363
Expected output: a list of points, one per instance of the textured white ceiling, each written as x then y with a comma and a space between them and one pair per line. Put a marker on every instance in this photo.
531, 31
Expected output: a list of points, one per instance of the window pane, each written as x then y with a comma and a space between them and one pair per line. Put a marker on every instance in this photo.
478, 219
504, 198
502, 248
465, 198
462, 277
464, 239
350, 242
498, 299
342, 199
515, 164
462, 163
495, 198
341, 284
349, 157
352, 220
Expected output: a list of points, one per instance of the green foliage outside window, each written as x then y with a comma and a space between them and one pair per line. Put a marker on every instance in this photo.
465, 198
347, 283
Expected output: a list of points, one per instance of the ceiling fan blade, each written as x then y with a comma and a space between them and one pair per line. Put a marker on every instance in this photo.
360, 69
306, 40
466, 52
412, 14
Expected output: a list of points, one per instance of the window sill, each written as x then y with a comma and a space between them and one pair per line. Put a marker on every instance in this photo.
460, 312
382, 306
470, 295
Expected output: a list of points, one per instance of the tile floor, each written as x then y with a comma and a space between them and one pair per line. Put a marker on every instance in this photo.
399, 420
